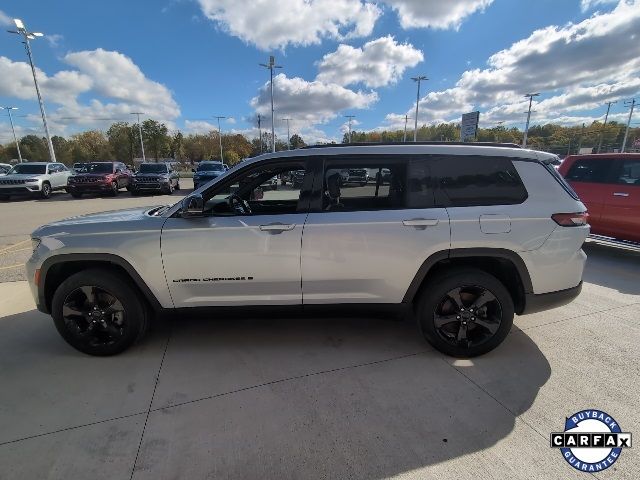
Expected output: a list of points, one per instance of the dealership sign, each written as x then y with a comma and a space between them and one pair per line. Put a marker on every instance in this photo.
469, 126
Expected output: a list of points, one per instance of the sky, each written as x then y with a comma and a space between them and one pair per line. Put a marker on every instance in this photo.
183, 62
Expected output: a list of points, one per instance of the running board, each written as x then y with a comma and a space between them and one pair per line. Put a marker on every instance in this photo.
614, 242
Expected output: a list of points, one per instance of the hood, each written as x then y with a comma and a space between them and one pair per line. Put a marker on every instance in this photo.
117, 220
208, 173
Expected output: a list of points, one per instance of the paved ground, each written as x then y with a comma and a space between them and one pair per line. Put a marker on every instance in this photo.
318, 398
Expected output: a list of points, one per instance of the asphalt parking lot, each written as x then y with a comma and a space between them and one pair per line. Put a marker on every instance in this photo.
308, 398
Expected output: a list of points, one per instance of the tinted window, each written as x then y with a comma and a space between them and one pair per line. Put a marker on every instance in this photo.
100, 168
629, 173
210, 167
589, 170
153, 168
360, 186
471, 181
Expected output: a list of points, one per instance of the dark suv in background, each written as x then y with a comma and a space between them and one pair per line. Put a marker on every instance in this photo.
100, 177
155, 177
207, 170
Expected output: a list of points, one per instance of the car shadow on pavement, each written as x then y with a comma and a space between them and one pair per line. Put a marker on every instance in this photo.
269, 397
610, 267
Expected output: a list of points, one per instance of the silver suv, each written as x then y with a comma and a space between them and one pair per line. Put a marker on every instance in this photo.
34, 178
459, 236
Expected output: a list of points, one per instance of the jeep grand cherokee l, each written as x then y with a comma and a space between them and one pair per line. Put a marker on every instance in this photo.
100, 177
155, 177
461, 237
34, 179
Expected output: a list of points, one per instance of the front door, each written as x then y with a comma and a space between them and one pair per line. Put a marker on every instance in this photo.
373, 223
245, 250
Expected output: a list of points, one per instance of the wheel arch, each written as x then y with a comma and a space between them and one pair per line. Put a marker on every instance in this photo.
506, 265
55, 270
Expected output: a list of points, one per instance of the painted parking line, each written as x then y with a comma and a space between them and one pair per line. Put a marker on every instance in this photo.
14, 251
6, 249
12, 266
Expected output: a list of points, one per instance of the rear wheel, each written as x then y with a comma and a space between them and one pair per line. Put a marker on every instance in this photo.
98, 312
45, 192
178, 185
465, 313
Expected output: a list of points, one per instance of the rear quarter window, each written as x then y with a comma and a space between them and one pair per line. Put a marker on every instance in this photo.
478, 181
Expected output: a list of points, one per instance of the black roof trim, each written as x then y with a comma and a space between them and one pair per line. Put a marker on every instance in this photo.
373, 144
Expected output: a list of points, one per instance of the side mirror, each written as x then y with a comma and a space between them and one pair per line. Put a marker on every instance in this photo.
192, 206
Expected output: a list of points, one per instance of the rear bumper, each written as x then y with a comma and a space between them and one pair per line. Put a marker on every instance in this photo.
546, 301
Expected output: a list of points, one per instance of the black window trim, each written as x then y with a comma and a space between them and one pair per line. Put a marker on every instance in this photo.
610, 170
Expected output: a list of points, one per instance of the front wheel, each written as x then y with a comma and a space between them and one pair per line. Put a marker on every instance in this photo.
114, 189
465, 313
45, 192
177, 186
99, 312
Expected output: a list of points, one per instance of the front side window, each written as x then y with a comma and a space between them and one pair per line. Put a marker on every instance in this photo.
266, 190
629, 173
479, 181
589, 171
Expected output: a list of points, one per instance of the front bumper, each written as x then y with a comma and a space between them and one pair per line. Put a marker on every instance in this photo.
546, 301
149, 186
89, 188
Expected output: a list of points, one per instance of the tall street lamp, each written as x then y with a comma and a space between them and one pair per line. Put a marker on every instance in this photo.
27, 35
271, 65
350, 117
631, 104
417, 80
606, 117
219, 117
8, 109
137, 114
526, 128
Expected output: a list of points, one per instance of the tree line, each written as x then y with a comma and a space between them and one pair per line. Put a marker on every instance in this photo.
121, 141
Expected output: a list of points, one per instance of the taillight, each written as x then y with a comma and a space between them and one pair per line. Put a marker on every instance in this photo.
578, 219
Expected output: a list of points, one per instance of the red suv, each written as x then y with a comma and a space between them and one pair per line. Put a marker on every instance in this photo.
609, 185
100, 177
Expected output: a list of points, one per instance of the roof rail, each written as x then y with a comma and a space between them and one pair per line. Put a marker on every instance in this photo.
373, 144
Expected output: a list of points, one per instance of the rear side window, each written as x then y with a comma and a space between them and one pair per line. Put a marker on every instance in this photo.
478, 180
589, 171
629, 173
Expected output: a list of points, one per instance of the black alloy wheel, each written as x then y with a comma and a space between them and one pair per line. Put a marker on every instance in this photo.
465, 312
45, 192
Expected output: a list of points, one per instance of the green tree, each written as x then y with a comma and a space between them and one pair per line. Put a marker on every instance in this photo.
155, 137
34, 148
123, 140
63, 149
297, 141
91, 145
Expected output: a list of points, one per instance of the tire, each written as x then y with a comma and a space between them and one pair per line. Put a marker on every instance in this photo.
46, 190
465, 328
114, 189
169, 189
101, 335
177, 186
274, 186
76, 194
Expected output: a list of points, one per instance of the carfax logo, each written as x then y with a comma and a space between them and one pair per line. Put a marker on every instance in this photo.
592, 440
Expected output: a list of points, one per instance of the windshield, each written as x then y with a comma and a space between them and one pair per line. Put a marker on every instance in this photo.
210, 167
99, 168
25, 168
153, 168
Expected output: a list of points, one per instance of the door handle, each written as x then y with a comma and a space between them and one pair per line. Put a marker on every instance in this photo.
620, 194
420, 222
275, 228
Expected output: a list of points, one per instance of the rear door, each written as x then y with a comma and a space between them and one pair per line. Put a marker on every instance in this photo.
621, 212
372, 224
588, 177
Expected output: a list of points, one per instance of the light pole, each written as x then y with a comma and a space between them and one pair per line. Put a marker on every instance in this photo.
605, 125
271, 65
140, 132
260, 131
526, 128
631, 104
220, 136
350, 117
288, 136
406, 119
417, 80
27, 35
8, 109
498, 125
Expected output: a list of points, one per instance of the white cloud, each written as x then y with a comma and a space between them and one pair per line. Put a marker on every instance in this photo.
576, 66
435, 13
586, 5
199, 126
309, 103
270, 24
5, 20
115, 84
378, 63
54, 39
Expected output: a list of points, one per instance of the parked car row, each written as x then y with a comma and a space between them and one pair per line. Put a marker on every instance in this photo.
42, 178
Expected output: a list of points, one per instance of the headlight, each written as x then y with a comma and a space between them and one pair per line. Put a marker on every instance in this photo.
35, 243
